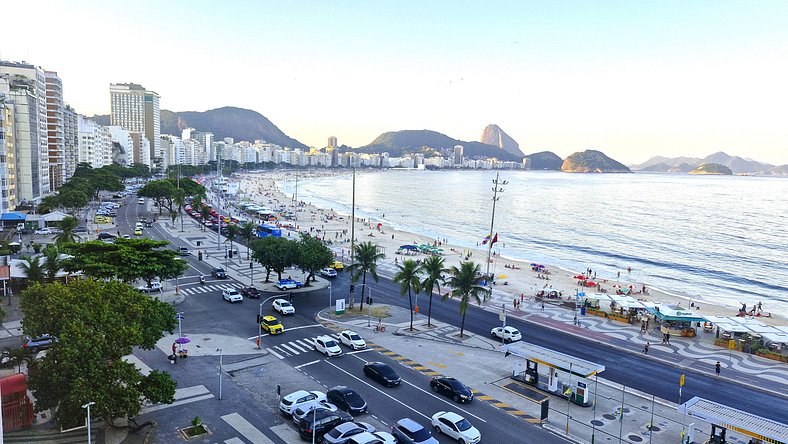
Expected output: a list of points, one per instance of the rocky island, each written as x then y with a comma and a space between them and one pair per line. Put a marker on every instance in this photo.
592, 161
712, 168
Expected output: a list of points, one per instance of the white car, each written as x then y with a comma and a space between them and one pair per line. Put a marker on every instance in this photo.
372, 438
456, 427
154, 286
507, 333
283, 306
328, 272
232, 295
141, 201
328, 346
290, 402
352, 340
44, 231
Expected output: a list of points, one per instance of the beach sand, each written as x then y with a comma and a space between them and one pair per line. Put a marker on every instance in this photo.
262, 189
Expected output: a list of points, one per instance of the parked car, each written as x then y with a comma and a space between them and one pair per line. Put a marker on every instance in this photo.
507, 333
250, 292
382, 373
42, 342
408, 431
452, 388
283, 306
328, 346
328, 272
232, 295
352, 340
80, 230
342, 433
43, 231
291, 401
141, 201
219, 273
320, 423
154, 286
346, 399
288, 284
138, 231
372, 438
303, 410
183, 251
456, 427
271, 325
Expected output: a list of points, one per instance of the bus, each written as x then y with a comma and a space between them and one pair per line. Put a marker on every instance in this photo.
265, 230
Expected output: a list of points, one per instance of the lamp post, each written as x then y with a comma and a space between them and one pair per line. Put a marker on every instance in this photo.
329, 295
87, 406
218, 203
496, 189
260, 328
221, 360
353, 224
251, 267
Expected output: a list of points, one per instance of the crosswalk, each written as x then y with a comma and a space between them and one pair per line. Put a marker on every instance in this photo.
298, 346
212, 287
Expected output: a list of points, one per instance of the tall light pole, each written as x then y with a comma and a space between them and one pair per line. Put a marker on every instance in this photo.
353, 224
329, 296
260, 328
295, 198
221, 368
497, 188
87, 406
219, 203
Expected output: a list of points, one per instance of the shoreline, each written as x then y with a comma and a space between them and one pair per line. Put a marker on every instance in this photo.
264, 189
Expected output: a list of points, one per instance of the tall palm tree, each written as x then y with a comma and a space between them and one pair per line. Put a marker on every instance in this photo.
408, 279
67, 235
231, 233
366, 256
33, 268
433, 269
248, 233
53, 263
466, 284
180, 201
205, 214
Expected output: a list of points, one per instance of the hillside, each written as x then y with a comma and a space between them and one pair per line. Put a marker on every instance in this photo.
592, 161
737, 164
545, 160
398, 143
712, 168
494, 135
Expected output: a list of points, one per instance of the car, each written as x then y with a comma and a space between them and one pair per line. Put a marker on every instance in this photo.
288, 284
319, 423
126, 236
507, 333
337, 265
283, 306
408, 431
452, 388
43, 231
303, 410
138, 231
39, 343
184, 251
154, 286
81, 230
382, 373
232, 295
328, 346
456, 427
328, 272
101, 220
104, 235
141, 201
138, 225
272, 325
250, 292
292, 401
342, 433
346, 399
352, 340
372, 438
219, 273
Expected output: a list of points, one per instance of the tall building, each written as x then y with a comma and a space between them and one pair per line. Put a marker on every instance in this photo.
55, 130
458, 155
332, 142
7, 158
136, 109
70, 142
122, 146
95, 143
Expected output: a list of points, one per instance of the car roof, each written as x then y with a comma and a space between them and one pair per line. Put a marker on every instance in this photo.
409, 424
451, 416
325, 338
281, 300
340, 388
231, 290
350, 332
269, 318
345, 426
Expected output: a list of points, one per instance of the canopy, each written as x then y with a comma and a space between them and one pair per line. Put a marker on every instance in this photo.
408, 247
13, 217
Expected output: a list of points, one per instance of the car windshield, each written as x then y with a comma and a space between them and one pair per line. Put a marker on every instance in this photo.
421, 435
355, 337
463, 425
331, 344
220, 270
335, 433
285, 304
271, 321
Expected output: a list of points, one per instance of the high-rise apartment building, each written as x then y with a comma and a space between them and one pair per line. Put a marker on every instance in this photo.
55, 130
95, 143
70, 142
7, 158
458, 155
136, 109
332, 142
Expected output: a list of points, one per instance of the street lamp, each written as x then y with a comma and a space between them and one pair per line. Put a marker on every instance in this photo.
496, 189
260, 328
87, 406
221, 360
329, 295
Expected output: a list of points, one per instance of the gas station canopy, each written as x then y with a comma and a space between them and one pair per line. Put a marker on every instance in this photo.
552, 358
733, 419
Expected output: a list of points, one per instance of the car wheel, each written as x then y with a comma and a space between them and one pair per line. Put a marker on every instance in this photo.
494, 335
435, 388
507, 340
438, 430
457, 399
461, 441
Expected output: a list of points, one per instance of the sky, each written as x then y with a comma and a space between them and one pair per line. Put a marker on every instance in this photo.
633, 79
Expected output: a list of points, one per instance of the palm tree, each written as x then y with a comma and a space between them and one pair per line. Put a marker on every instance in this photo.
53, 263
67, 235
366, 256
408, 278
205, 214
466, 283
231, 233
248, 232
32, 268
433, 269
180, 201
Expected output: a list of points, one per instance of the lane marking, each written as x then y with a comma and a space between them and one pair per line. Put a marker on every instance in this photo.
307, 364
288, 349
359, 351
306, 343
270, 350
246, 429
296, 346
443, 400
156, 407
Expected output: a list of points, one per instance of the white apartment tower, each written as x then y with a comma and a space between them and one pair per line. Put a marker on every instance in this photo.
55, 130
70, 142
7, 150
136, 109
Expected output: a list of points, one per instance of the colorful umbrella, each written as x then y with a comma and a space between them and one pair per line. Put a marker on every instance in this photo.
182, 340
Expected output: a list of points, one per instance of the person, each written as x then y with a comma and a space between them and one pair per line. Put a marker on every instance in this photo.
542, 305
717, 368
667, 338
174, 355
645, 348
202, 279
642, 326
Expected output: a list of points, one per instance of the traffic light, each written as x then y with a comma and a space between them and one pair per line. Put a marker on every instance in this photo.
258, 319
231, 254
369, 300
352, 287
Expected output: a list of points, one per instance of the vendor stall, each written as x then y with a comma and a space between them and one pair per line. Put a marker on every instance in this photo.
675, 320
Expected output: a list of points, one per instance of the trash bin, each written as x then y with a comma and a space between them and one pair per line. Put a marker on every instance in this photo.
583, 310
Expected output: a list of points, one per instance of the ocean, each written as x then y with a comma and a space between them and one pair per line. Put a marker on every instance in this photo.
718, 239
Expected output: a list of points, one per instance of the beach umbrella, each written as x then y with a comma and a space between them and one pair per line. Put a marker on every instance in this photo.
183, 340
502, 276
579, 276
590, 284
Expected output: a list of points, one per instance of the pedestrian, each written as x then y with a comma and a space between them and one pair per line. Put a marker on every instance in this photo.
667, 338
618, 274
174, 356
542, 305
760, 306
645, 348
522, 296
717, 368
642, 326
514, 303
663, 339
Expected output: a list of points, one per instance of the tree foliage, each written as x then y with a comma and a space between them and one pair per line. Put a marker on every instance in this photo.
313, 255
465, 282
32, 268
408, 278
274, 254
433, 268
365, 259
67, 227
162, 191
97, 323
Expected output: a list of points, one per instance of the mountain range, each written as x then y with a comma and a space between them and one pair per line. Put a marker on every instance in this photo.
737, 165
398, 143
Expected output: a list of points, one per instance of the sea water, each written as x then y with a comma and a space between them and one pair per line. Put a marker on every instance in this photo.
720, 239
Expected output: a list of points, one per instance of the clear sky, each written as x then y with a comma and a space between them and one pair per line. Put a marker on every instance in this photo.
630, 78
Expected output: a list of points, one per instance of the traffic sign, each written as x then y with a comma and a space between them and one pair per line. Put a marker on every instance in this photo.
179, 316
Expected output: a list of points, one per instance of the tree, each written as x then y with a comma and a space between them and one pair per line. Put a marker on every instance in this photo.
231, 232
433, 269
366, 256
162, 191
72, 200
32, 268
312, 256
408, 278
205, 214
248, 233
180, 201
274, 254
53, 263
466, 284
67, 235
97, 323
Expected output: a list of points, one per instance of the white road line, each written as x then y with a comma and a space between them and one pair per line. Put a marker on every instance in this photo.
144, 369
245, 428
304, 326
156, 407
270, 350
306, 343
288, 349
235, 440
440, 398
359, 351
296, 346
286, 432
307, 364
188, 392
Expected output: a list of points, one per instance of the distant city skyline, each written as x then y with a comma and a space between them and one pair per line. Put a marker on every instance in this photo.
631, 79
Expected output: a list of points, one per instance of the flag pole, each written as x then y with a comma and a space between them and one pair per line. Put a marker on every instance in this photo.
496, 189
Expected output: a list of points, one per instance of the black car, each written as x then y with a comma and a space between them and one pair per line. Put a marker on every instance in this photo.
452, 388
320, 423
219, 273
346, 399
81, 230
104, 235
382, 373
250, 292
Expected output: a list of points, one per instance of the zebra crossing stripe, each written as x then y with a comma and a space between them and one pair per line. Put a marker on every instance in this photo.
296, 346
308, 344
284, 346
270, 350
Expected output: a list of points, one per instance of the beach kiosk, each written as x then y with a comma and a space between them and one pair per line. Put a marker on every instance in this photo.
675, 320
553, 372
723, 418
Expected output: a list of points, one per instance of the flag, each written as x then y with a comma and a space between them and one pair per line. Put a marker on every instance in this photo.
486, 239
495, 239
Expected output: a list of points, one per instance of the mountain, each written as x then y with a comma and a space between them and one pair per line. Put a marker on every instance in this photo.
712, 168
737, 164
647, 165
398, 143
660, 167
238, 123
494, 135
592, 161
545, 160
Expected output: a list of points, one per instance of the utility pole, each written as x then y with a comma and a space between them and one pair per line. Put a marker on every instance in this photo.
497, 188
219, 203
353, 227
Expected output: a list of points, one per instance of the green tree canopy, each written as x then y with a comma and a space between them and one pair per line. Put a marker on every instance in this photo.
366, 256
313, 255
433, 268
465, 282
67, 235
408, 278
33, 268
97, 323
162, 191
274, 254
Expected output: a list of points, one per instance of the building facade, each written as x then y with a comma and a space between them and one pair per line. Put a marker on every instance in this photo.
55, 130
7, 158
70, 142
136, 109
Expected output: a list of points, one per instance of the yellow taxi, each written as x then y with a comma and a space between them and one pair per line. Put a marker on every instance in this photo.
101, 220
138, 232
337, 265
272, 325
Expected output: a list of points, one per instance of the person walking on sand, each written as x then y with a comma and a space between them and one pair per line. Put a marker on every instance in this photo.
717, 368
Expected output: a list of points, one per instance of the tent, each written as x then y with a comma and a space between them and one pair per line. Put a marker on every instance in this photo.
13, 217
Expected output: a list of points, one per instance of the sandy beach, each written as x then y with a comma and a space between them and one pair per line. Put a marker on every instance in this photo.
512, 276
